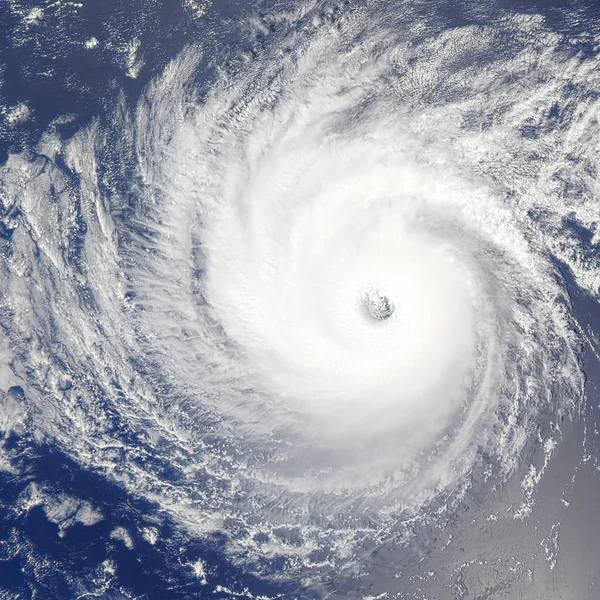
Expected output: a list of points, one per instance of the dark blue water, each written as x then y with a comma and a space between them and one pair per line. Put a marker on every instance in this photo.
34, 559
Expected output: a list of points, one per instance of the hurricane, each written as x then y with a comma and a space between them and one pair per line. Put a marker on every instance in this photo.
313, 296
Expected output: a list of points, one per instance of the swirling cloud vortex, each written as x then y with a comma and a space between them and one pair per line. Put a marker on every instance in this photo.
323, 287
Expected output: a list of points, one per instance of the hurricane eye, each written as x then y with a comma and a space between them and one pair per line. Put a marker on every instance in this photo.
378, 306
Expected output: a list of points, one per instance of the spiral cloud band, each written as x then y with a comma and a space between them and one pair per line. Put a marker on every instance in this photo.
330, 291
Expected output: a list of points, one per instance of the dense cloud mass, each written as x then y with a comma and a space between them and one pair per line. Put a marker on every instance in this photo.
324, 286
